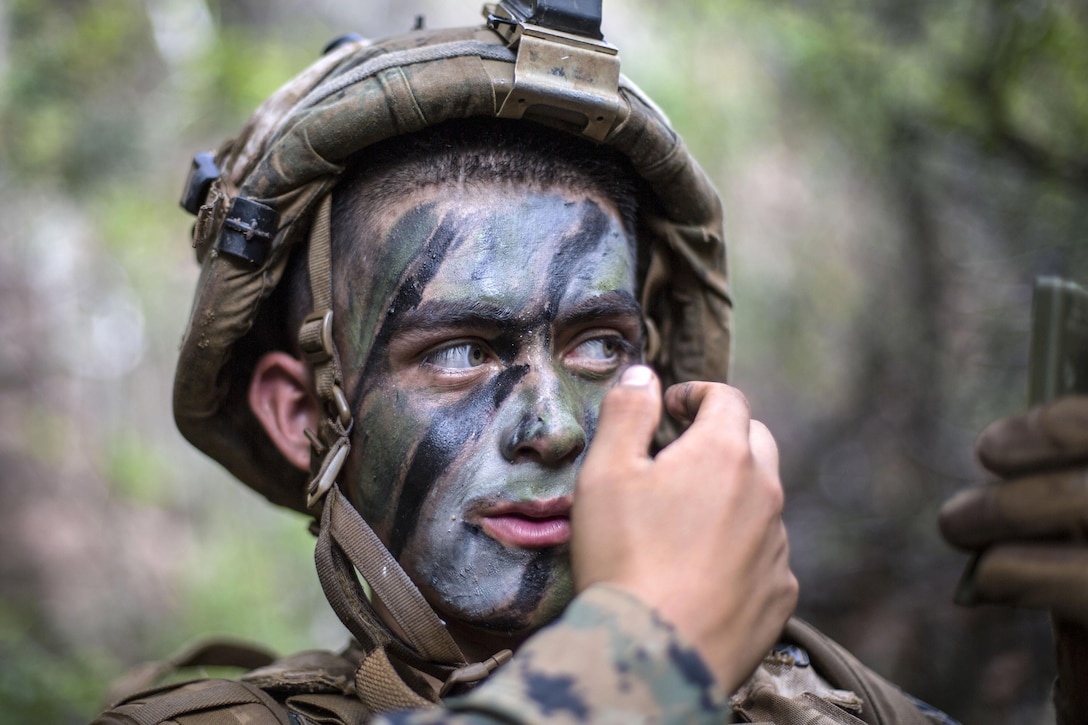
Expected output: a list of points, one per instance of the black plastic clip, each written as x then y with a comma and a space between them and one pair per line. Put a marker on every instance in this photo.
577, 17
247, 230
201, 175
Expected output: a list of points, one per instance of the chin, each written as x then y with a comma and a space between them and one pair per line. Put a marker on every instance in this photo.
481, 636
508, 596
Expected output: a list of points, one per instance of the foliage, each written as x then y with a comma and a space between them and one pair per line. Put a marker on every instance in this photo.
895, 175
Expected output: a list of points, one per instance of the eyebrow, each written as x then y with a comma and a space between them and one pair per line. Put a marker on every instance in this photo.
478, 313
452, 315
610, 305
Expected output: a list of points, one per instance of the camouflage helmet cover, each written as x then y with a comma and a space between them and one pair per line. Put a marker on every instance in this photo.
287, 158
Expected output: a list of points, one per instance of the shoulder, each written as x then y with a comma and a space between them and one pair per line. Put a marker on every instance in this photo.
880, 701
309, 687
197, 702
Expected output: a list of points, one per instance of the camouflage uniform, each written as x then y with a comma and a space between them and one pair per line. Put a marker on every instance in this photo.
609, 657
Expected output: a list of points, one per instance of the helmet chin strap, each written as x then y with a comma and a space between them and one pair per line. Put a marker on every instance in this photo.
346, 544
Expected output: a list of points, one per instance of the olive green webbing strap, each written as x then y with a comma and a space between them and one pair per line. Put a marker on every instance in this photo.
382, 689
345, 544
343, 531
212, 653
344, 592
207, 699
315, 335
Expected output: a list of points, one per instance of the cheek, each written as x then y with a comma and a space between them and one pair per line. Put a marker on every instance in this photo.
428, 534
408, 443
387, 433
591, 414
586, 397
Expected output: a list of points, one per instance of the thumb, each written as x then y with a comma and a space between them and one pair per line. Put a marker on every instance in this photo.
629, 416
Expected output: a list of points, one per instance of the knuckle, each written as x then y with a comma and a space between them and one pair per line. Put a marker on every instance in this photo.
718, 394
736, 451
733, 396
758, 431
793, 589
776, 495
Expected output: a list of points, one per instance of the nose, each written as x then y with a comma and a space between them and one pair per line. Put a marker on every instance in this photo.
546, 429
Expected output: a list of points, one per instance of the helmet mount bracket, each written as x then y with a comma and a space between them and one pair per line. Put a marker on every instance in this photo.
575, 17
565, 70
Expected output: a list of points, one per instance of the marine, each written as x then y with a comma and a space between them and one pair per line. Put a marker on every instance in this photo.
464, 301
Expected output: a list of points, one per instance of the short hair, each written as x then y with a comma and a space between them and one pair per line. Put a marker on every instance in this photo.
475, 151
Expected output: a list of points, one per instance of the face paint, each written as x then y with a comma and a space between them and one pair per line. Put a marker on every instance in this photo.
476, 390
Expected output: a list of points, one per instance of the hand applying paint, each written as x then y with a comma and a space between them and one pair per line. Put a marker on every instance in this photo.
697, 531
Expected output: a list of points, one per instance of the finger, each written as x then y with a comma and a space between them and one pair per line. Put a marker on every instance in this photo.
721, 408
1035, 576
1047, 436
763, 446
629, 416
1048, 505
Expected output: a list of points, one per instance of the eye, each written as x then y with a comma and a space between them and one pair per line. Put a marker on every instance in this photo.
601, 349
599, 356
461, 356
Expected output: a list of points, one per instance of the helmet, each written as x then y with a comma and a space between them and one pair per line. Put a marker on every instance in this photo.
266, 193
257, 199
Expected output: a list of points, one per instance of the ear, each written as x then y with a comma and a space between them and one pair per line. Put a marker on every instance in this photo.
280, 397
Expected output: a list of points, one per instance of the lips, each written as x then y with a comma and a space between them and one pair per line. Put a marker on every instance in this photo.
528, 524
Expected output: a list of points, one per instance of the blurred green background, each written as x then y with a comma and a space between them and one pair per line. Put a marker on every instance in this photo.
895, 176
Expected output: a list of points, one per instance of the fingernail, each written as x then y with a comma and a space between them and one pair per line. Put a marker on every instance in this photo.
637, 376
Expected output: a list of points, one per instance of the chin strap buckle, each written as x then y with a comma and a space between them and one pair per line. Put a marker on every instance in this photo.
475, 672
330, 469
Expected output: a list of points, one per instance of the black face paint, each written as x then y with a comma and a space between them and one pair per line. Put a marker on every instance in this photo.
424, 265
588, 238
444, 440
537, 575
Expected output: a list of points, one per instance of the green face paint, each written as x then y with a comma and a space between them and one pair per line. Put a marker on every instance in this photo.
479, 363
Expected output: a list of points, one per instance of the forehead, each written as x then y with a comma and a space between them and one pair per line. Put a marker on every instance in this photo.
508, 248
527, 251
479, 236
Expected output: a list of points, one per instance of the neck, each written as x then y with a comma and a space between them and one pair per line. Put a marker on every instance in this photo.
478, 644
